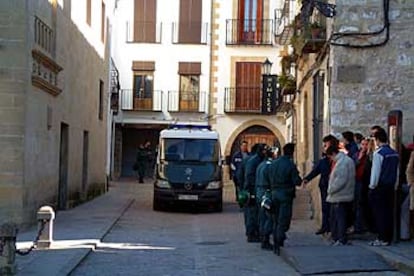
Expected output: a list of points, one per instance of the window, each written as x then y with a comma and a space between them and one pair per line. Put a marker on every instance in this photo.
145, 20
184, 149
190, 21
189, 85
101, 100
143, 84
250, 20
88, 11
103, 23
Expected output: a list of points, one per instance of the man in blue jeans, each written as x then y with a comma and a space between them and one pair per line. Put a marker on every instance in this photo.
384, 173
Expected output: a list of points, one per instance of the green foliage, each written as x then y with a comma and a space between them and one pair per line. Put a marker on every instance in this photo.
287, 81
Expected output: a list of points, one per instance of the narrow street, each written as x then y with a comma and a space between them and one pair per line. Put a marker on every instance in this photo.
144, 242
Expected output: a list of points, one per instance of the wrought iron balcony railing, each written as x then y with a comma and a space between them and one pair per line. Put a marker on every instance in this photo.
284, 21
187, 101
143, 32
243, 100
190, 33
249, 32
138, 100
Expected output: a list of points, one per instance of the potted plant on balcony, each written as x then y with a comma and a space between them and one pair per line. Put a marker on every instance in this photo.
286, 63
297, 43
315, 30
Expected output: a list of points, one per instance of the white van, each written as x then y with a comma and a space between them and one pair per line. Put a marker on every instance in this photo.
189, 168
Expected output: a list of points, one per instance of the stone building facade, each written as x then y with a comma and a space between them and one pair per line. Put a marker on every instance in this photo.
53, 103
351, 81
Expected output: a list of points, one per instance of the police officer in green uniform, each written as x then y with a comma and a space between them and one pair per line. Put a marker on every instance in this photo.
249, 184
265, 219
141, 162
282, 177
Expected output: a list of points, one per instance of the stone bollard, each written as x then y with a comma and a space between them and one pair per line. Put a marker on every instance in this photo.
8, 233
45, 215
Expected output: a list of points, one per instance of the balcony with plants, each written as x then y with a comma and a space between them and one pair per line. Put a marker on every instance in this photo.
309, 38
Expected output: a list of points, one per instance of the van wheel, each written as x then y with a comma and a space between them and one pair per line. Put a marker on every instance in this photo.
219, 207
156, 205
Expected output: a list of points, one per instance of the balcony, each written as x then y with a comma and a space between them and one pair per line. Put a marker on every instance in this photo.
143, 32
286, 104
190, 33
249, 32
44, 36
187, 101
284, 22
243, 100
139, 101
309, 38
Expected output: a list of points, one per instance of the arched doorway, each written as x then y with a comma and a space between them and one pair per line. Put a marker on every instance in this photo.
255, 134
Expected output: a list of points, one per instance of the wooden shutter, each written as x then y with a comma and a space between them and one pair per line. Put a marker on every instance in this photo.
145, 20
240, 21
248, 90
189, 68
189, 28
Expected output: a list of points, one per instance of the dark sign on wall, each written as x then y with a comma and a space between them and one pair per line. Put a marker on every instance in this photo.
270, 94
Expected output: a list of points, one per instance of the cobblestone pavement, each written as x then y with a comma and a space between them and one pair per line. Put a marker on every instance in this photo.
144, 242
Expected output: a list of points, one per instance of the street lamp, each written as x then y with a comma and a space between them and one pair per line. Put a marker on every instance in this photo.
266, 67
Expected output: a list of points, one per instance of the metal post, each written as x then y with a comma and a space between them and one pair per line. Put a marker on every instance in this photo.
8, 232
45, 217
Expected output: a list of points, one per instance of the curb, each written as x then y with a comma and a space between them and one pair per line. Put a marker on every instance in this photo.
106, 231
400, 263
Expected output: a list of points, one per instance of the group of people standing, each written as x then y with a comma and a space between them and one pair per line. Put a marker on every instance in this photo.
263, 175
358, 179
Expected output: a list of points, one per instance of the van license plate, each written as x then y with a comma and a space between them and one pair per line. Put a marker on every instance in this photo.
187, 197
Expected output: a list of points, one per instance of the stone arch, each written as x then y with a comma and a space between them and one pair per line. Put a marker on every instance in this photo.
248, 124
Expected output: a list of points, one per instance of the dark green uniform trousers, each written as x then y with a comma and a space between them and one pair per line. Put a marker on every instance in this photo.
282, 199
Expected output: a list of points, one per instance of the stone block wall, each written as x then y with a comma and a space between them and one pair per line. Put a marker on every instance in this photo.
368, 82
13, 79
31, 117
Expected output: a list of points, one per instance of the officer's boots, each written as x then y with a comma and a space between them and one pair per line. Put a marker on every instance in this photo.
266, 245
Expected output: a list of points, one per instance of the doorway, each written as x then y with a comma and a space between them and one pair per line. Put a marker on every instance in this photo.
63, 166
85, 163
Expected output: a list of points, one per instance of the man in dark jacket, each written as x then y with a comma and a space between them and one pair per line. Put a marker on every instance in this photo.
141, 162
235, 165
282, 177
323, 168
249, 184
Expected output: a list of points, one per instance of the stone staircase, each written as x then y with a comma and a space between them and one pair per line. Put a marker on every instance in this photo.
302, 205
